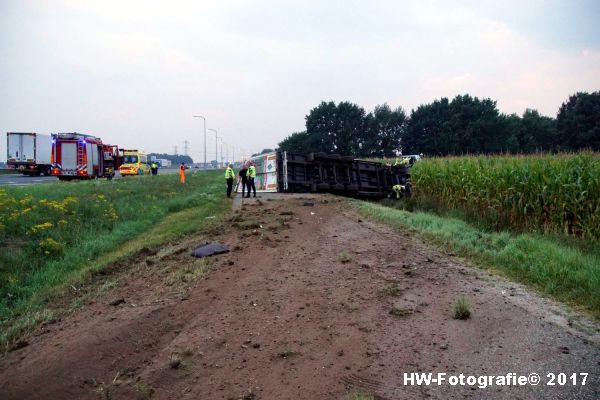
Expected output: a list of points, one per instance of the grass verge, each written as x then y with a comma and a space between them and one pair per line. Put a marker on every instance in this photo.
567, 273
106, 222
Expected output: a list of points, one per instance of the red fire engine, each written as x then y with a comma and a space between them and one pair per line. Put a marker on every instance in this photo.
79, 156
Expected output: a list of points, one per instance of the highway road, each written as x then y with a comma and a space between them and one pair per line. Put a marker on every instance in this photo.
22, 180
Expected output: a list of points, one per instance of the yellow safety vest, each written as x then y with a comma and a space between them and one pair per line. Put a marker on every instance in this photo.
252, 171
398, 189
229, 173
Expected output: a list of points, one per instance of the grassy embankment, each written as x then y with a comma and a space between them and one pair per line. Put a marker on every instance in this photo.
535, 219
53, 236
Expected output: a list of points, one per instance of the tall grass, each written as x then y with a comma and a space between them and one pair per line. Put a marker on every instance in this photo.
50, 233
539, 193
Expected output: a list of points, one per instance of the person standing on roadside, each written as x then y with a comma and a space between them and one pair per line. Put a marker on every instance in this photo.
154, 168
229, 176
244, 177
251, 176
182, 173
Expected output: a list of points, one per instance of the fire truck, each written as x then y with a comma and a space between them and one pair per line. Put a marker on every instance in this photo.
79, 156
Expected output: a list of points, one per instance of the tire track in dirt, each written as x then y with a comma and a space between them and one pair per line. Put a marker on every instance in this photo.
315, 304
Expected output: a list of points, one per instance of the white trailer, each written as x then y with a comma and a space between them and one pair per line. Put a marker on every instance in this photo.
164, 163
29, 153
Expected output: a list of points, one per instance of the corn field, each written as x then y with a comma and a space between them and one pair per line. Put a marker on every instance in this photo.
540, 193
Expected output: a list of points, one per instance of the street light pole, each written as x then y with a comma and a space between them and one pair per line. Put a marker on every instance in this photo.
222, 150
204, 118
216, 151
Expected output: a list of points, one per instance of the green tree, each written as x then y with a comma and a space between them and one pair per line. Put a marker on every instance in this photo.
336, 128
301, 142
537, 132
175, 159
382, 133
427, 131
264, 151
512, 126
578, 122
464, 125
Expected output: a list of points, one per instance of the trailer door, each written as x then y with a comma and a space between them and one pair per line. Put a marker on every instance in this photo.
13, 147
91, 157
27, 152
68, 155
266, 172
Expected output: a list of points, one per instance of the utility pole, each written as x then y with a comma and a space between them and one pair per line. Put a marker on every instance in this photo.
175, 150
185, 147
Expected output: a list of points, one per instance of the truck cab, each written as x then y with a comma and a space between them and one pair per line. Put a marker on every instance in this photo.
134, 163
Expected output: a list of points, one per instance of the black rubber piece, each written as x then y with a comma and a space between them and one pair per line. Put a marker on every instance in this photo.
210, 250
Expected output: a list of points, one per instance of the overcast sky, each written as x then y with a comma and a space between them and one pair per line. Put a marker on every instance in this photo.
134, 72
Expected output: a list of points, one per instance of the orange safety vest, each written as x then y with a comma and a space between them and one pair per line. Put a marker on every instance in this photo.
182, 174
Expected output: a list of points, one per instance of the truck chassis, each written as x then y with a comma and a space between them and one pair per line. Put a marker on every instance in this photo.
320, 172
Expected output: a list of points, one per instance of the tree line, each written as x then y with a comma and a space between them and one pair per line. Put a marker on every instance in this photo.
463, 125
176, 159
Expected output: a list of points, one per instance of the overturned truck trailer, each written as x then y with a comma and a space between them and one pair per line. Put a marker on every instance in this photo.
320, 172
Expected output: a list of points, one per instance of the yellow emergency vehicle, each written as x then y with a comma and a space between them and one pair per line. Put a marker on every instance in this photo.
134, 163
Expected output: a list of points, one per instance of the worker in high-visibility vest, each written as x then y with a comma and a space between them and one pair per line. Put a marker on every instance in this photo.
182, 173
251, 176
402, 161
398, 189
229, 176
154, 168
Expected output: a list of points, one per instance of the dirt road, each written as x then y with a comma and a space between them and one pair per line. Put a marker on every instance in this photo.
313, 302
